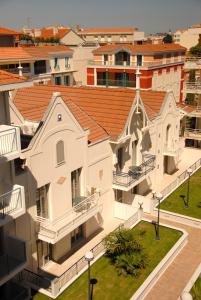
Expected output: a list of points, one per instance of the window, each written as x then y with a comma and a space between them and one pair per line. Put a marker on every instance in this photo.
60, 152
66, 80
139, 60
58, 80
42, 201
105, 59
55, 62
67, 62
75, 184
120, 159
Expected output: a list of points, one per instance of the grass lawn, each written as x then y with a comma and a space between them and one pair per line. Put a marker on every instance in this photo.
175, 203
110, 285
196, 289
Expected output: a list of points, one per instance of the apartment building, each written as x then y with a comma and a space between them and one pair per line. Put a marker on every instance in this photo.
63, 35
8, 37
87, 153
188, 37
104, 36
161, 67
43, 64
192, 86
13, 253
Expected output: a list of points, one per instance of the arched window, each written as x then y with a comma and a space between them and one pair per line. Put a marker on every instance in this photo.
60, 152
168, 135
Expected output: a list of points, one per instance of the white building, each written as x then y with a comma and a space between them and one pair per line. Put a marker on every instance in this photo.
188, 37
88, 153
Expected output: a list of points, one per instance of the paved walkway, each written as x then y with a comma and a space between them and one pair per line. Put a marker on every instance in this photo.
173, 281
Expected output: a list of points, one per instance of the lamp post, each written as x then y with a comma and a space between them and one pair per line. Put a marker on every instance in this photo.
189, 172
158, 196
89, 257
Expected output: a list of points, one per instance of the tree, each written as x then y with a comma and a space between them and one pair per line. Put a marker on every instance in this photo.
196, 50
167, 39
125, 251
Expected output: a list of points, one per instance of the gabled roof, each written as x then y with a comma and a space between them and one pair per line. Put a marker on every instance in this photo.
38, 52
9, 78
145, 48
6, 31
107, 109
50, 32
107, 30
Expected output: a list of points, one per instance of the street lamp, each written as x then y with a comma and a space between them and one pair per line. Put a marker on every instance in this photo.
89, 257
158, 197
189, 172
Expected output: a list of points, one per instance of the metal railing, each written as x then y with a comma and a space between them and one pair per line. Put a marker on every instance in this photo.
63, 224
57, 284
10, 202
193, 85
15, 255
180, 179
121, 83
190, 132
127, 179
8, 140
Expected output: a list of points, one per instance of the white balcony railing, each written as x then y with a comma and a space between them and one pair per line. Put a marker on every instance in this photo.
193, 87
12, 203
54, 230
136, 174
9, 142
194, 134
193, 63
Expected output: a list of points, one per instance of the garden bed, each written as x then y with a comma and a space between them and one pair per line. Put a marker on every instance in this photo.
111, 285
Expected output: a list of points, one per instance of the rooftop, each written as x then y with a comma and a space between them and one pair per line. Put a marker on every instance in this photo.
8, 78
19, 53
107, 30
104, 111
145, 48
7, 31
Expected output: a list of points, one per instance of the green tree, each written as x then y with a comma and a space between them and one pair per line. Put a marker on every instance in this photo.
196, 50
167, 39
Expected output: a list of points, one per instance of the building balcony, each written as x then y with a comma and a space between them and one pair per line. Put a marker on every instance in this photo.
10, 147
116, 83
14, 260
52, 231
136, 174
193, 87
12, 204
192, 134
193, 63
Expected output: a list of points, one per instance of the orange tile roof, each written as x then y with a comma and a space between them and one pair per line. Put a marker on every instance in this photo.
145, 48
6, 31
49, 32
108, 109
107, 30
9, 78
186, 107
9, 53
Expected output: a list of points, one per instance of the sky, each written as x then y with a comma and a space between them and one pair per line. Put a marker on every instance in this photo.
148, 15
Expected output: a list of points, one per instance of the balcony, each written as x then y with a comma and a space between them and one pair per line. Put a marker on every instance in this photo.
171, 150
52, 231
14, 259
126, 181
117, 83
193, 63
193, 87
192, 134
12, 204
10, 147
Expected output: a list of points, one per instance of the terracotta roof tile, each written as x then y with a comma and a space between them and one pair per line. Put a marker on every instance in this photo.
9, 53
7, 31
108, 108
146, 48
47, 33
8, 78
